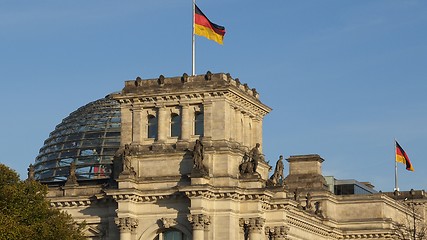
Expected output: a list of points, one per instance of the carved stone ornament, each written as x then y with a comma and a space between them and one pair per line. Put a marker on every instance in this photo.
208, 75
168, 222
254, 225
254, 91
277, 232
161, 80
138, 81
126, 224
184, 78
199, 221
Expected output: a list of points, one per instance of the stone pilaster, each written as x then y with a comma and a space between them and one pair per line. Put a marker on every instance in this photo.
162, 124
238, 124
246, 131
207, 111
231, 123
137, 126
127, 226
186, 122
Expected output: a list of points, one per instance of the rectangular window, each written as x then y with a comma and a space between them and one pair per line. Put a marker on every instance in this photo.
152, 127
199, 123
175, 125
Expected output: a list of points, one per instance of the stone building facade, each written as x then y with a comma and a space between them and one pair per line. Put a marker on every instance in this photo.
190, 166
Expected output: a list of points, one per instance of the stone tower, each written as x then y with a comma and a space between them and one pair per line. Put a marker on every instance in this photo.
183, 140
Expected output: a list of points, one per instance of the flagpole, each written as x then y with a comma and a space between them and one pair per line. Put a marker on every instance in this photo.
396, 188
193, 49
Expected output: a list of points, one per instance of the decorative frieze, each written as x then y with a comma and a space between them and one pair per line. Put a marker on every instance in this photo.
136, 197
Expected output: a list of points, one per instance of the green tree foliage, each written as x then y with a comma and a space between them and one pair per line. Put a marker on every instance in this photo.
26, 214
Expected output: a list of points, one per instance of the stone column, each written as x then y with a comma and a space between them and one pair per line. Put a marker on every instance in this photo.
242, 228
162, 124
143, 123
186, 122
255, 228
137, 125
126, 226
200, 224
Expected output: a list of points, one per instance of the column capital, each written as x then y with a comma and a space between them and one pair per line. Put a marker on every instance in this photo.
277, 232
254, 225
126, 224
199, 221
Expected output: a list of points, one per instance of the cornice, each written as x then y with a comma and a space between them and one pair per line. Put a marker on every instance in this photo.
61, 202
138, 196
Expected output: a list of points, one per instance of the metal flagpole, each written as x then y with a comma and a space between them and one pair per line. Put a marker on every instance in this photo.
193, 49
396, 188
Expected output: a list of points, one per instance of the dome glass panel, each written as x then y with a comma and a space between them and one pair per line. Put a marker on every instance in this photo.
89, 136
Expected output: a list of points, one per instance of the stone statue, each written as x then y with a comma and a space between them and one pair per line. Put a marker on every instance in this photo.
72, 178
30, 172
308, 202
246, 166
318, 209
198, 155
296, 195
127, 161
278, 172
256, 156
127, 164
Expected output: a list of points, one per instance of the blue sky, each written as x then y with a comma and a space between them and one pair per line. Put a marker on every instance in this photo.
344, 78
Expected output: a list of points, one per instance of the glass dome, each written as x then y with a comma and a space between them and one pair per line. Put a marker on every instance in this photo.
89, 136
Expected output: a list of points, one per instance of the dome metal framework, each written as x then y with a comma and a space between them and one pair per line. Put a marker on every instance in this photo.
89, 137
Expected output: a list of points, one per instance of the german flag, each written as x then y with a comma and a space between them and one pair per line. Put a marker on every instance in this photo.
403, 158
205, 28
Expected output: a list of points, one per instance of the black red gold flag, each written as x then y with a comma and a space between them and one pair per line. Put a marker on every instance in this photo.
204, 27
403, 158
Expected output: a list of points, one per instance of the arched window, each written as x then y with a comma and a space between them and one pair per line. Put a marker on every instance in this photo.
171, 234
152, 126
198, 123
175, 125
